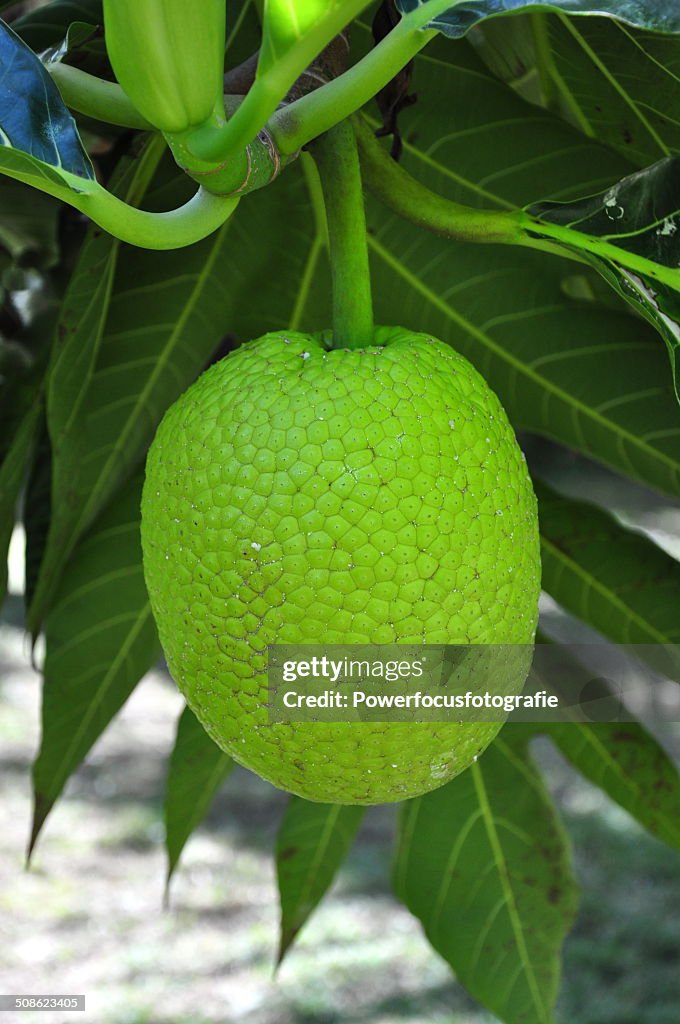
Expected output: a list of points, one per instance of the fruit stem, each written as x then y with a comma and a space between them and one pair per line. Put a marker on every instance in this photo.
337, 160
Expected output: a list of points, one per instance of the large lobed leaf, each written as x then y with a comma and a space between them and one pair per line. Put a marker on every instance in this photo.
484, 864
614, 82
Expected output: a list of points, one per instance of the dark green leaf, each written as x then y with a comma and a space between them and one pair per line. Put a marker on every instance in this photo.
312, 843
33, 118
639, 215
100, 640
12, 473
616, 580
629, 765
484, 864
196, 771
79, 333
457, 18
620, 84
499, 151
559, 365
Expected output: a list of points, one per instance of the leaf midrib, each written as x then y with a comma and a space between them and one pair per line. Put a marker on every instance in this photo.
222, 764
615, 84
59, 776
502, 872
319, 854
613, 599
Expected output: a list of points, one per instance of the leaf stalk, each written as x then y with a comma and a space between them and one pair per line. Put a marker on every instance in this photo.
337, 160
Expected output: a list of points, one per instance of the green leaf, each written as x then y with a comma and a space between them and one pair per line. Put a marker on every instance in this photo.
559, 365
78, 336
512, 319
312, 843
619, 83
499, 151
100, 640
12, 473
33, 117
614, 579
456, 17
641, 216
630, 766
196, 770
484, 864
166, 316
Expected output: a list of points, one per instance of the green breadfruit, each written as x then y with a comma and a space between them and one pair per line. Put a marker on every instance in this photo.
296, 494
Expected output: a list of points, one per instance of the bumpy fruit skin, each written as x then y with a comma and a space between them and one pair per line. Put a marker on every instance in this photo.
299, 495
168, 55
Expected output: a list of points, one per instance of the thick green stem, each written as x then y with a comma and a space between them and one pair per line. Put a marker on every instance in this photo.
297, 124
395, 187
96, 98
197, 219
337, 160
390, 183
601, 247
190, 223
276, 74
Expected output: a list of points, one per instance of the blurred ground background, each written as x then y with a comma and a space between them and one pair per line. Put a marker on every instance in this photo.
88, 918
